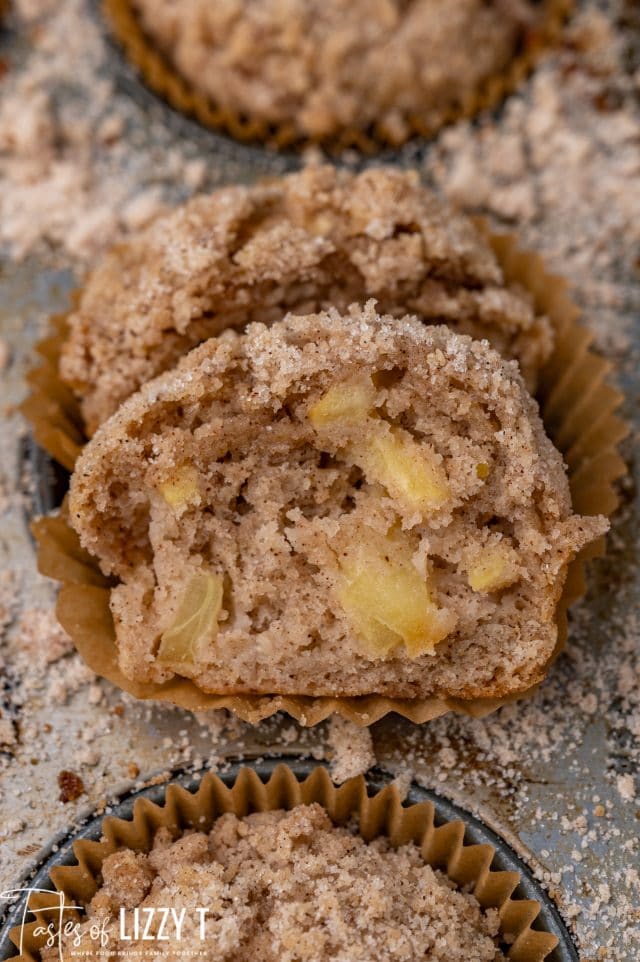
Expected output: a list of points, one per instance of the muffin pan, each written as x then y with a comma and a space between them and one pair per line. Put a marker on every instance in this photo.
563, 780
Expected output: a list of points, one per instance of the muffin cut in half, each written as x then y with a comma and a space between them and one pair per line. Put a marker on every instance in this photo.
333, 505
313, 240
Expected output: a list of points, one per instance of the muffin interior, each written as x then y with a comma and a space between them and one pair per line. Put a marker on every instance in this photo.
332, 505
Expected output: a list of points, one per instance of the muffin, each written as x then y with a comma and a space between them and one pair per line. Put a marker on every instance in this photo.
281, 886
326, 70
332, 505
317, 239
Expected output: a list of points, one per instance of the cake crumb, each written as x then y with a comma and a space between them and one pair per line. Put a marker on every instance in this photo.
11, 826
351, 748
626, 787
71, 786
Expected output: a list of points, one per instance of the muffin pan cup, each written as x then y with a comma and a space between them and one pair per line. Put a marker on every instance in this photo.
446, 843
578, 408
160, 76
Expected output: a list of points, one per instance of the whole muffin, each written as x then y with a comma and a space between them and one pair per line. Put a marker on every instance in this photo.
333, 505
280, 887
318, 68
320, 238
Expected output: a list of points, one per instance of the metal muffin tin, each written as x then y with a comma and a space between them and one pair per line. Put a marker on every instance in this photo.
588, 753
476, 832
49, 482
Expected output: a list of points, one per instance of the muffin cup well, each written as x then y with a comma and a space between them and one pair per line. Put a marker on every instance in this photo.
578, 408
442, 846
160, 75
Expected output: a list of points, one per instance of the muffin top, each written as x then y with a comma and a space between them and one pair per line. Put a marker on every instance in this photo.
316, 239
332, 505
321, 67
284, 887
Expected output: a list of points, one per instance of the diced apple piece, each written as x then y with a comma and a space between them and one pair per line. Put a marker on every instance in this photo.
495, 568
181, 488
380, 639
441, 624
408, 470
344, 403
196, 620
482, 470
388, 601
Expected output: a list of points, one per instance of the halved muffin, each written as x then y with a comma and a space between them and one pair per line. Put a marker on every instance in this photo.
316, 239
333, 505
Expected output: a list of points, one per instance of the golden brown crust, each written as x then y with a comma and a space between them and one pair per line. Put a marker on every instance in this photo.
312, 240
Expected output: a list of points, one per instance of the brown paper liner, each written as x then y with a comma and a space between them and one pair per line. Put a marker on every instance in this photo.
442, 846
162, 77
52, 408
579, 411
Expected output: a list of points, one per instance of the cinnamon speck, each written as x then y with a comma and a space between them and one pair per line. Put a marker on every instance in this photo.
71, 786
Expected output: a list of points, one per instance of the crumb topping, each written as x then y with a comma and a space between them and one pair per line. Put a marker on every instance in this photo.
290, 887
323, 66
316, 239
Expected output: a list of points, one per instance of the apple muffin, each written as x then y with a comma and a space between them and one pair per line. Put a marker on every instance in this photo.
316, 69
279, 887
332, 505
316, 239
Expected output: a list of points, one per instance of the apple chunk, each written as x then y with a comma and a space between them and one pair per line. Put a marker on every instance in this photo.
343, 404
181, 487
495, 568
196, 620
388, 601
409, 470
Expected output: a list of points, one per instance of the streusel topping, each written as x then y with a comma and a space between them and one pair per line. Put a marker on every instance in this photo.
320, 238
286, 887
323, 66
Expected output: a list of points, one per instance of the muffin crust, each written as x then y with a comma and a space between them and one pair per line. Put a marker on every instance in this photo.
320, 238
